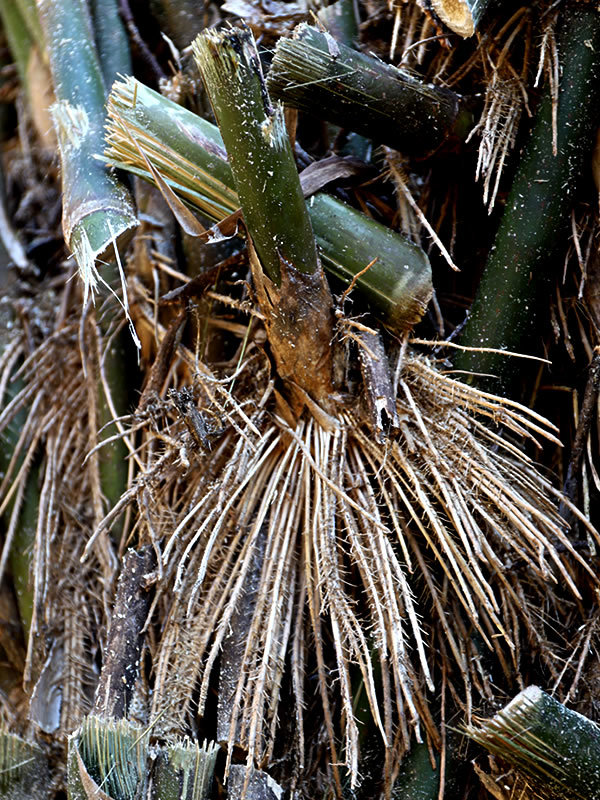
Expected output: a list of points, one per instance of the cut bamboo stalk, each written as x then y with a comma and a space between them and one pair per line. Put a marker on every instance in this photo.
340, 20
558, 748
291, 287
397, 285
107, 759
24, 770
189, 153
462, 16
535, 220
184, 771
258, 150
312, 71
98, 211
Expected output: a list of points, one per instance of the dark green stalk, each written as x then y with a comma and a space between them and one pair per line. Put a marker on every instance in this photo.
116, 358
340, 20
111, 40
558, 748
259, 151
190, 155
533, 229
394, 285
21, 551
313, 72
97, 208
463, 16
417, 779
291, 288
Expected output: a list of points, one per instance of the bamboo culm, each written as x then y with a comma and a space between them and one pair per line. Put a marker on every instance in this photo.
555, 746
97, 208
311, 70
534, 225
290, 285
258, 150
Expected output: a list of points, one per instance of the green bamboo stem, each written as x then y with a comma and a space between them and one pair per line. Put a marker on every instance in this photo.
462, 16
534, 225
558, 748
18, 36
311, 71
111, 40
28, 12
290, 285
24, 770
259, 151
97, 208
189, 153
417, 778
113, 464
395, 286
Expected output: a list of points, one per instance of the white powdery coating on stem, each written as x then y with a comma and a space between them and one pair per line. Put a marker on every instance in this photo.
274, 131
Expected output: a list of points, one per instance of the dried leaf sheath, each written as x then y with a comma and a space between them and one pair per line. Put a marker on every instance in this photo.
58, 429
